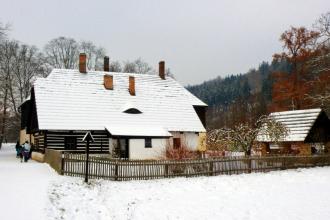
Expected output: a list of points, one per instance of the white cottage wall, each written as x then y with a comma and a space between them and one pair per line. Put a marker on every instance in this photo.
137, 149
112, 144
190, 139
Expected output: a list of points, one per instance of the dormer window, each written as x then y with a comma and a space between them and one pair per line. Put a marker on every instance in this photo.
133, 111
131, 108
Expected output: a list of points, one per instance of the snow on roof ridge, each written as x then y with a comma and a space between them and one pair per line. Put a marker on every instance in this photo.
302, 111
109, 73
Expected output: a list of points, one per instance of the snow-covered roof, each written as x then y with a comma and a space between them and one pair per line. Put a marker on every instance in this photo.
297, 122
137, 131
70, 100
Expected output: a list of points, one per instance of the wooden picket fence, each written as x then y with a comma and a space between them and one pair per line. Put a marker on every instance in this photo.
102, 167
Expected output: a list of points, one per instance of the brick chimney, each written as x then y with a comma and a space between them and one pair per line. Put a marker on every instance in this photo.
106, 64
162, 69
108, 82
82, 63
131, 86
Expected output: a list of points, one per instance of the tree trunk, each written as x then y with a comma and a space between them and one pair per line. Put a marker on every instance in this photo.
4, 115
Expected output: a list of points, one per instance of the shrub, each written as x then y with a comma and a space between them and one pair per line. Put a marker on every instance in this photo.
183, 152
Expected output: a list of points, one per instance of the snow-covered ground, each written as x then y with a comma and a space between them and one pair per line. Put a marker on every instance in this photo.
294, 194
23, 186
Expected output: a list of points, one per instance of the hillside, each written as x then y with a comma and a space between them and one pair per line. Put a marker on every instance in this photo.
240, 97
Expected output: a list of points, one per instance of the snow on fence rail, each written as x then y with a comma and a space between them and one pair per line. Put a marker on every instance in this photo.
101, 167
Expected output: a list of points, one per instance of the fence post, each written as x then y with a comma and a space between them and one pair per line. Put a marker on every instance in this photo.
87, 162
62, 163
116, 170
166, 170
211, 168
249, 164
283, 162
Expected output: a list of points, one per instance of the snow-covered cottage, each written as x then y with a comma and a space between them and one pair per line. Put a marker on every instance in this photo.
308, 132
135, 115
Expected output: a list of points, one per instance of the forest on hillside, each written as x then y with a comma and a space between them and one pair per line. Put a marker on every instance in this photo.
297, 78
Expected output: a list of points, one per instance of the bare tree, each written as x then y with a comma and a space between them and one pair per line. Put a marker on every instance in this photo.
19, 65
94, 54
62, 52
239, 138
7, 51
129, 67
3, 30
28, 64
142, 67
169, 73
319, 65
321, 97
137, 66
218, 139
322, 100
322, 25
272, 129
115, 66
244, 136
321, 61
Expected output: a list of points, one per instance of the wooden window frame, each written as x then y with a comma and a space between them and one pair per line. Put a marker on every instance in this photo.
147, 143
70, 140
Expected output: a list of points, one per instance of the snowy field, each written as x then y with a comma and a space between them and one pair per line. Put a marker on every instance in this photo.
34, 191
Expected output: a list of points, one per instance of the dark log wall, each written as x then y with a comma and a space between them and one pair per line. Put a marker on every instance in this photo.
32, 124
56, 140
201, 112
320, 132
39, 141
25, 113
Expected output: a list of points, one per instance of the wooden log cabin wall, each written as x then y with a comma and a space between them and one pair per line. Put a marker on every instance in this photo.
71, 141
59, 140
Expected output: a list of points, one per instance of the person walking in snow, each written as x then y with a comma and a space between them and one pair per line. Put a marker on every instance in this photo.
26, 151
19, 151
17, 147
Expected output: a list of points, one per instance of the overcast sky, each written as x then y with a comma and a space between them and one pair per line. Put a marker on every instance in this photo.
199, 40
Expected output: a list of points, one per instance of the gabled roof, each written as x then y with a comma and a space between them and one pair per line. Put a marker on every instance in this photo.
297, 122
70, 100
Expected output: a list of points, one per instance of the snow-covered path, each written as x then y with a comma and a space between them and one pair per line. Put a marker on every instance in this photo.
23, 187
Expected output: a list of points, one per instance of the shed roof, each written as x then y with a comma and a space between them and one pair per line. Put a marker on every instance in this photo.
297, 122
70, 100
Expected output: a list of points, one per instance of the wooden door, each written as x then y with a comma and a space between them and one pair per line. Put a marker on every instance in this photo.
124, 147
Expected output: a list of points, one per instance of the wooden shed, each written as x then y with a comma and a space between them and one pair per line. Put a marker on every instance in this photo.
308, 133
